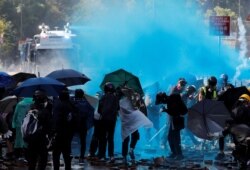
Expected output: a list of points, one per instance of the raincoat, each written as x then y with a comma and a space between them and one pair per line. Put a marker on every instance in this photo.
131, 119
20, 111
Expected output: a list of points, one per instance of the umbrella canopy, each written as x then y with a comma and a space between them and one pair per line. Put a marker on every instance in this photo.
123, 78
7, 104
28, 87
232, 95
69, 77
5, 79
22, 76
207, 116
93, 101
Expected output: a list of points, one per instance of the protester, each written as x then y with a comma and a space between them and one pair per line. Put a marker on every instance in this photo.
63, 128
85, 113
37, 144
131, 120
223, 84
108, 108
21, 110
209, 91
175, 123
240, 115
177, 89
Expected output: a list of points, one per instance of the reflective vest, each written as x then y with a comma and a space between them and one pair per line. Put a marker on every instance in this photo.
213, 95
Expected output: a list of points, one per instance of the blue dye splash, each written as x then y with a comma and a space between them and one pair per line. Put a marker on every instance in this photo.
171, 43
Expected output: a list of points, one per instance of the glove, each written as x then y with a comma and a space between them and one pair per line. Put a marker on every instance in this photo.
8, 134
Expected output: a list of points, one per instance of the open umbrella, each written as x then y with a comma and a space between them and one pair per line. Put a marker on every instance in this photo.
7, 104
207, 116
5, 79
93, 101
69, 77
22, 76
123, 78
28, 87
232, 95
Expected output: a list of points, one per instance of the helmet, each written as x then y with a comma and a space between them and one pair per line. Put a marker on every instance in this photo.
224, 77
245, 97
191, 88
182, 81
212, 81
109, 87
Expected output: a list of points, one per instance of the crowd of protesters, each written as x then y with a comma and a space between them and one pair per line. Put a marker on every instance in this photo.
62, 117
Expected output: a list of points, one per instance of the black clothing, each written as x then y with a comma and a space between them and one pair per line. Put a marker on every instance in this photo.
63, 121
37, 145
108, 109
107, 132
175, 108
134, 138
95, 138
85, 115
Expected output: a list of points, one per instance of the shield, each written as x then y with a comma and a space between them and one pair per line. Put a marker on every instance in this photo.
123, 78
5, 79
232, 95
207, 116
7, 104
69, 77
28, 87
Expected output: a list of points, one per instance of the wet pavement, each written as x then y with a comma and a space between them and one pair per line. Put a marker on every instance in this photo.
147, 159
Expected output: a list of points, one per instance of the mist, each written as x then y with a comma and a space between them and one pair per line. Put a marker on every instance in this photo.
152, 43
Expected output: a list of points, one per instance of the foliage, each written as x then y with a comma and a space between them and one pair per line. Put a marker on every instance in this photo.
19, 19
218, 11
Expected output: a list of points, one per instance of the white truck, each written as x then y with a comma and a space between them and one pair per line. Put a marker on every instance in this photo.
48, 46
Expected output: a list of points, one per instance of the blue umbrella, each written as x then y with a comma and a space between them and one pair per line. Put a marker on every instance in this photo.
69, 77
5, 79
28, 87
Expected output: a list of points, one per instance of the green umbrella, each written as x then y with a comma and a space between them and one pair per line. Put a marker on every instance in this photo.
123, 78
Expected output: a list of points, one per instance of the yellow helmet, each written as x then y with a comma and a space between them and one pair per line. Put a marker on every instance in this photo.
245, 97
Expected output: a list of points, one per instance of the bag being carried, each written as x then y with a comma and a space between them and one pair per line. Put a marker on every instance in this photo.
30, 125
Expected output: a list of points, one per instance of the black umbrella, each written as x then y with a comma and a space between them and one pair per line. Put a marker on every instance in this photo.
123, 78
21, 76
232, 95
69, 77
51, 87
7, 104
207, 116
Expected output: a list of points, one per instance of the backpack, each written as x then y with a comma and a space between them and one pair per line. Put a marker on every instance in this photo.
84, 109
30, 125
